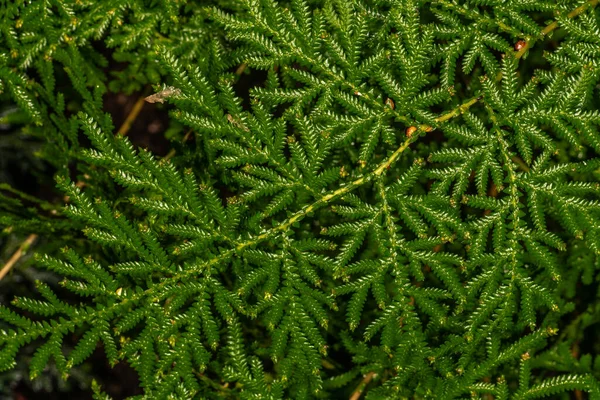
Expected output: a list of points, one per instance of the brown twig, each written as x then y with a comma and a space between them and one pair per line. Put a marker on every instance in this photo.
361, 387
17, 255
123, 130
517, 160
172, 152
240, 70
327, 364
133, 114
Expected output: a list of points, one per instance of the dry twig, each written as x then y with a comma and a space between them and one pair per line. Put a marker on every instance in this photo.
17, 254
361, 387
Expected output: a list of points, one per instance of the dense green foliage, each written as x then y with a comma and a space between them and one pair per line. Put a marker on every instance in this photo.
378, 198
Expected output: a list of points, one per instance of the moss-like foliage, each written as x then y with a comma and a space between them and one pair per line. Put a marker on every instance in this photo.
404, 204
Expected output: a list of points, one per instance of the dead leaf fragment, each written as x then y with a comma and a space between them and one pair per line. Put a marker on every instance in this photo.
163, 94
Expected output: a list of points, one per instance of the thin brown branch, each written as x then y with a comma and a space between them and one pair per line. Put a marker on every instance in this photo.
517, 160
172, 152
17, 255
240, 70
133, 114
123, 130
361, 387
327, 364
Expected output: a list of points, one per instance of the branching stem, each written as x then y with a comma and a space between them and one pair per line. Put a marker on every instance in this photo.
553, 25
